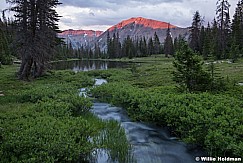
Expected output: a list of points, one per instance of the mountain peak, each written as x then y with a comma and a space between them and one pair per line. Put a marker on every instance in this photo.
154, 24
80, 32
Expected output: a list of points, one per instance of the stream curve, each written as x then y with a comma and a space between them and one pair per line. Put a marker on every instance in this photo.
150, 144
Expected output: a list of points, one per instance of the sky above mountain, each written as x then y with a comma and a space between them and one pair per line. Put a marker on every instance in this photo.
102, 14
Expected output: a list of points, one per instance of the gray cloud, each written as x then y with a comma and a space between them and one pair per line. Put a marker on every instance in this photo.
92, 14
112, 4
101, 14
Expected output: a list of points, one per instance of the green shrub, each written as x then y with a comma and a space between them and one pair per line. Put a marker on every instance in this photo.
43, 92
45, 139
47, 121
196, 118
77, 104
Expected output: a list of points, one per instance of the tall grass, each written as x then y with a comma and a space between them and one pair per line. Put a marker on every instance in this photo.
47, 121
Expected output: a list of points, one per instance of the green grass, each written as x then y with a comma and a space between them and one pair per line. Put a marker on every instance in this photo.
212, 120
40, 115
46, 121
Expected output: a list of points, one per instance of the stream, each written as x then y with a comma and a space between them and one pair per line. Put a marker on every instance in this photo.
150, 144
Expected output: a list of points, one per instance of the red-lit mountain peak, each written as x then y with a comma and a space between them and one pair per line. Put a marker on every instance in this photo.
81, 32
154, 24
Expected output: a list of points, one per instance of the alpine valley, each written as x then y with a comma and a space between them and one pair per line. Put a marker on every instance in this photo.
134, 28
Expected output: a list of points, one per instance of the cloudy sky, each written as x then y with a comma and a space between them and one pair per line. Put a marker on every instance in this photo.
102, 14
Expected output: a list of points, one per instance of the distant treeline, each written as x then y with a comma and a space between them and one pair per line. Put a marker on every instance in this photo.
220, 39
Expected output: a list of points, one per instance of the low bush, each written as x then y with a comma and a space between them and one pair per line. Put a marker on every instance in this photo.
213, 121
45, 139
47, 121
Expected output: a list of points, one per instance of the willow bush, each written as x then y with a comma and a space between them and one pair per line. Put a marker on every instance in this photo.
47, 121
211, 121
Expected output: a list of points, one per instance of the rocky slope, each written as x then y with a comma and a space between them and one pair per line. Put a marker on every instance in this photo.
134, 27
79, 37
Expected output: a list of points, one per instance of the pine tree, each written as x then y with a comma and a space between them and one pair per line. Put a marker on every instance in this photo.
168, 43
143, 46
157, 46
97, 52
118, 46
189, 73
36, 38
129, 48
108, 42
150, 46
5, 57
237, 30
194, 38
178, 42
223, 20
206, 42
202, 38
215, 41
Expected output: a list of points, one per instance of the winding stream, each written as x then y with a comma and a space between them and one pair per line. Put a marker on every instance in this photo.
150, 144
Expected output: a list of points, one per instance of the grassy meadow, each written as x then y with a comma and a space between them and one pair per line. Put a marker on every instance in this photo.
46, 121
211, 120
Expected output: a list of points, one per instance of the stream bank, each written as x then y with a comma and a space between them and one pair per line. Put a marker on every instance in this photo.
149, 142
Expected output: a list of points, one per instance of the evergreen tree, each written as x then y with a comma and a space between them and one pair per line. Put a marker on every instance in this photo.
202, 38
97, 52
113, 46
150, 46
237, 30
108, 42
189, 73
157, 46
215, 41
207, 43
118, 46
5, 56
194, 38
234, 50
168, 43
143, 47
223, 21
90, 54
128, 48
136, 47
178, 42
36, 38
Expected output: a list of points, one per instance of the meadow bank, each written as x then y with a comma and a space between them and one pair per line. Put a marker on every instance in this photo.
43, 119
46, 120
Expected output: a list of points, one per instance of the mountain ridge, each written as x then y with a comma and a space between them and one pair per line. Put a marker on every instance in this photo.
134, 27
155, 24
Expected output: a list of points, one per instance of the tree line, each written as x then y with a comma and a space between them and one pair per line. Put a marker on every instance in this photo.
221, 39
115, 48
132, 47
32, 37
6, 37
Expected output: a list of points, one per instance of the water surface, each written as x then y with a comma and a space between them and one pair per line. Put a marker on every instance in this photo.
87, 65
